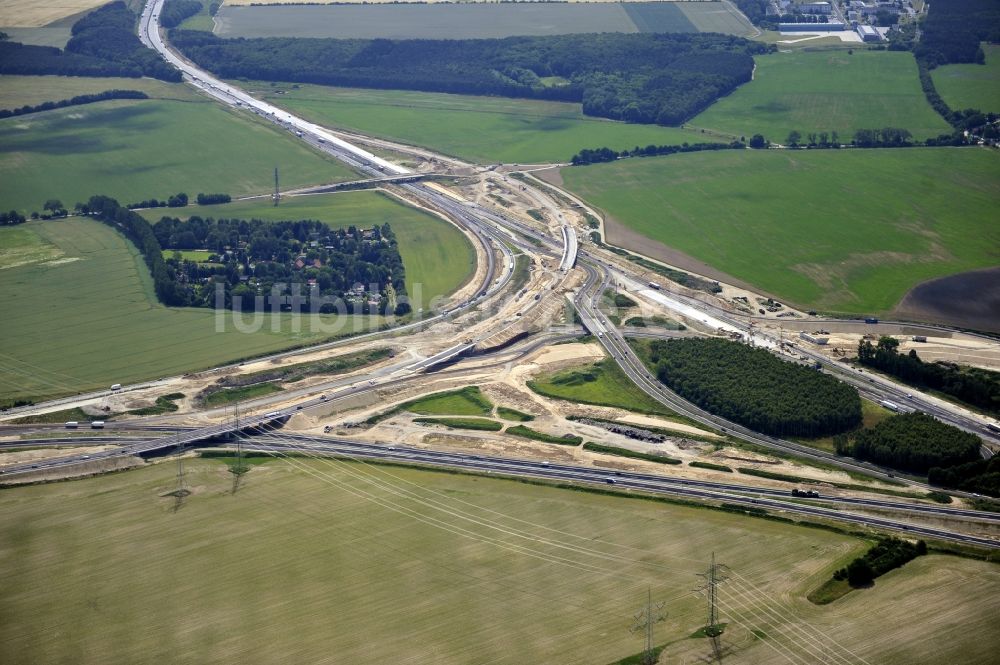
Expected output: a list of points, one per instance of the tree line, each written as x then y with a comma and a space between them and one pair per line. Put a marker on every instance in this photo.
74, 101
103, 43
754, 388
598, 155
642, 78
977, 387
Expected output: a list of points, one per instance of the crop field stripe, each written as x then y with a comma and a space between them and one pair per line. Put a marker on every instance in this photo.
658, 17
717, 17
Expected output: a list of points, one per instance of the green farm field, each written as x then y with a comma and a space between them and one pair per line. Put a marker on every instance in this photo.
81, 314
480, 129
436, 255
31, 90
297, 566
826, 91
848, 231
971, 86
135, 150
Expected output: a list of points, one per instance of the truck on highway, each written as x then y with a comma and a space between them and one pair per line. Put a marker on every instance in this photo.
654, 285
97, 424
889, 405
72, 424
116, 386
871, 320
809, 494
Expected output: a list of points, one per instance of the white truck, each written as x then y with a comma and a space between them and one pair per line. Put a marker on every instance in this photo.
890, 405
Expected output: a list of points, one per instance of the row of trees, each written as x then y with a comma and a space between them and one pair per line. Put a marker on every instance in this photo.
977, 387
756, 389
643, 78
597, 155
175, 11
913, 442
103, 43
213, 199
74, 101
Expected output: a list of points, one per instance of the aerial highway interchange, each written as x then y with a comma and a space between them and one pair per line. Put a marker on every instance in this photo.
499, 235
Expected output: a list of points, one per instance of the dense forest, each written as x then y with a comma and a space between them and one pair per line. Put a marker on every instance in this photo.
977, 387
643, 78
913, 442
981, 476
257, 258
756, 389
103, 43
953, 30
74, 101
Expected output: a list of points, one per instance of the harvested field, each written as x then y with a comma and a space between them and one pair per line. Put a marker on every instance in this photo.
35, 13
297, 563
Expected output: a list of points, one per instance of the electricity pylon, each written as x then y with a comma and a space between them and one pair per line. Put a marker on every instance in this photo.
644, 621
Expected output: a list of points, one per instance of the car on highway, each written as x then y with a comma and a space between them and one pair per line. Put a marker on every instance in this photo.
610, 481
